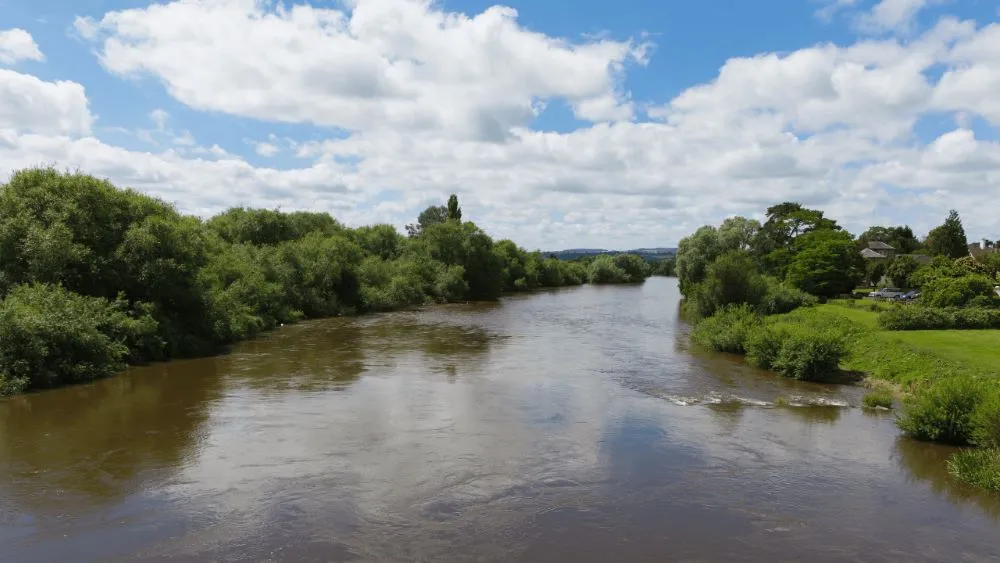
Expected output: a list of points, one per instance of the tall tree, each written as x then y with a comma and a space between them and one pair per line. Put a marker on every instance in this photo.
948, 239
737, 233
433, 215
454, 211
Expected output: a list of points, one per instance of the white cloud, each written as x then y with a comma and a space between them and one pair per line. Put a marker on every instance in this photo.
30, 104
830, 126
18, 45
893, 15
393, 64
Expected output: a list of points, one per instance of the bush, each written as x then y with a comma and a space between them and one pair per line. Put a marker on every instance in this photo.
957, 291
51, 336
918, 317
604, 270
977, 467
763, 344
727, 330
810, 356
780, 298
944, 412
878, 398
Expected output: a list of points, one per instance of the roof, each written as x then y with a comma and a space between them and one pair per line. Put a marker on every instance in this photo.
869, 253
879, 245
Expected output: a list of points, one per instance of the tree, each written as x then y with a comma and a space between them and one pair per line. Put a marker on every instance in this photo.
738, 233
900, 238
948, 239
900, 270
694, 253
433, 215
732, 278
787, 221
826, 263
454, 211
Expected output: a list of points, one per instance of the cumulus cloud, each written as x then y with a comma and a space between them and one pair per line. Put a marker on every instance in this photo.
392, 64
893, 15
425, 96
18, 45
30, 104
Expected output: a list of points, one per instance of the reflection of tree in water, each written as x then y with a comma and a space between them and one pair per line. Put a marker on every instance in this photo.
97, 443
928, 462
332, 354
816, 413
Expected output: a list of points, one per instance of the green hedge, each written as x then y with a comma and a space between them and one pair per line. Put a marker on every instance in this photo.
918, 317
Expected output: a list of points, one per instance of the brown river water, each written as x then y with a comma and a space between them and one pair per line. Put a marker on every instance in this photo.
572, 425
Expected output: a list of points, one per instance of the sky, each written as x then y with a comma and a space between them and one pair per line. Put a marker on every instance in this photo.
558, 123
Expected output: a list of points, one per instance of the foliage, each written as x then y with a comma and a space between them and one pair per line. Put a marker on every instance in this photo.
979, 468
731, 279
694, 254
900, 238
948, 239
809, 356
95, 276
944, 412
957, 291
51, 336
878, 398
728, 329
918, 317
826, 263
664, 267
900, 269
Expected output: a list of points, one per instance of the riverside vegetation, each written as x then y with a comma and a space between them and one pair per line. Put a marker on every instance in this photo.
93, 277
780, 293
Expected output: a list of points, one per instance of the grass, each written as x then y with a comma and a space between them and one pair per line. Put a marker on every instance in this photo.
878, 398
979, 468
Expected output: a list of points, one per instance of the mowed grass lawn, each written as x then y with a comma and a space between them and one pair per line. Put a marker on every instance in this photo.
917, 354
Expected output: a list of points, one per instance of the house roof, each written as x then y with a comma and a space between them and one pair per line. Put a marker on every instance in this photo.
869, 253
879, 245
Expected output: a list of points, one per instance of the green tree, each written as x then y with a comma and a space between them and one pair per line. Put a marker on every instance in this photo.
433, 215
454, 211
694, 253
731, 279
948, 239
900, 270
900, 238
826, 263
738, 233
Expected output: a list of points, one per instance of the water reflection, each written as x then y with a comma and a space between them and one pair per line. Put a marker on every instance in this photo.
927, 463
94, 444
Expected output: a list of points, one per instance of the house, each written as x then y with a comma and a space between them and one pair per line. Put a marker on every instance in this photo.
878, 250
978, 249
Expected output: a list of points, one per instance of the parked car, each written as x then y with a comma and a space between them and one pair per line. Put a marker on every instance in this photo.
886, 293
908, 296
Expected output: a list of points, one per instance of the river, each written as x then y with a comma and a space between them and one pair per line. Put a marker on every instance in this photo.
570, 425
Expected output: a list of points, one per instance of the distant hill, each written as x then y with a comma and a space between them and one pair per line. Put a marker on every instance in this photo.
647, 253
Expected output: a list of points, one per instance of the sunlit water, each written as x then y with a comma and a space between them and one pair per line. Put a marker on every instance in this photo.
575, 425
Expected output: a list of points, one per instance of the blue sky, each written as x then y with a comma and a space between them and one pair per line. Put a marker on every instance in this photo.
577, 123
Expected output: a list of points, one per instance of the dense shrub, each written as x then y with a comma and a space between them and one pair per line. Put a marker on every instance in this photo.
958, 291
728, 329
731, 279
51, 336
604, 270
810, 356
945, 411
781, 298
764, 343
930, 318
986, 419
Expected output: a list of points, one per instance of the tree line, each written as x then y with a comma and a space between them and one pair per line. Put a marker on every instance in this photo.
93, 277
800, 249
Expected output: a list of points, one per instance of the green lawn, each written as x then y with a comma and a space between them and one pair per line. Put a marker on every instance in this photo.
904, 357
978, 348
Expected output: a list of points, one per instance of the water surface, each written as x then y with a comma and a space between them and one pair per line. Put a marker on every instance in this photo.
576, 424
